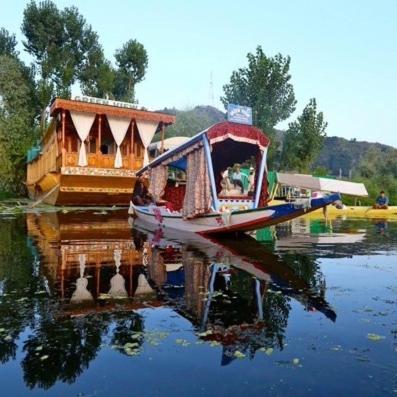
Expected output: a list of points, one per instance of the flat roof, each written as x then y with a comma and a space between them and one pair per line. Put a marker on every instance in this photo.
60, 104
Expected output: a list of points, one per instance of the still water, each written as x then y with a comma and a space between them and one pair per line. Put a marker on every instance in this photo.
91, 305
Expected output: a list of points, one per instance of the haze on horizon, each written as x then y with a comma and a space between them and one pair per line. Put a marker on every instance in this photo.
343, 54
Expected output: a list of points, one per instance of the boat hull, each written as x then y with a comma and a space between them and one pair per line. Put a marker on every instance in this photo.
236, 221
82, 190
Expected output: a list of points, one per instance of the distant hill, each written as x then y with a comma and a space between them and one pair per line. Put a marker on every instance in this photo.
337, 153
190, 122
340, 153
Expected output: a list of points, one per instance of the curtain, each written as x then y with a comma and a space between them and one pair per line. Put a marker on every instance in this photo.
146, 129
198, 193
83, 123
119, 127
158, 179
264, 189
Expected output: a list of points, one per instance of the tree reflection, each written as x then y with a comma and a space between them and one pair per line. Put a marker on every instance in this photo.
61, 350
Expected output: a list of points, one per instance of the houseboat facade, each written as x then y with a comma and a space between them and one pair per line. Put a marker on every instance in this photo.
90, 152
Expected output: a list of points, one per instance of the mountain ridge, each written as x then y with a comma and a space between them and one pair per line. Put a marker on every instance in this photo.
338, 154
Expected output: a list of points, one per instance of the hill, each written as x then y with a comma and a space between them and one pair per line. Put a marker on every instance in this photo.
190, 122
337, 153
342, 154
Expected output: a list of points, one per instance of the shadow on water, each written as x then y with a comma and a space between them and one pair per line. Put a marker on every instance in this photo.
72, 285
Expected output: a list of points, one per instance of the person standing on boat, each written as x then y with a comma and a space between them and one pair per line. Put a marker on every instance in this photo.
237, 178
382, 201
141, 195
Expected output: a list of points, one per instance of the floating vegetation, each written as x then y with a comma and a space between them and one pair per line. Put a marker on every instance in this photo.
238, 354
375, 337
268, 351
182, 342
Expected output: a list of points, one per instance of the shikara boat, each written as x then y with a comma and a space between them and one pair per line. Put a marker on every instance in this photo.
207, 202
90, 152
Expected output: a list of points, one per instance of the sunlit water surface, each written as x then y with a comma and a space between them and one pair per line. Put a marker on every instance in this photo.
90, 306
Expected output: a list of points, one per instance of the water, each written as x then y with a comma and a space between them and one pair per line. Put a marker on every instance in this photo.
92, 307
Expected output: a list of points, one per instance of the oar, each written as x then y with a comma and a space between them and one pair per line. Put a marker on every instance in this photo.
40, 200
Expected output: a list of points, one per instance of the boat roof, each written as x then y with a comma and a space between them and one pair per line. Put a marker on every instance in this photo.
215, 134
169, 143
60, 104
322, 184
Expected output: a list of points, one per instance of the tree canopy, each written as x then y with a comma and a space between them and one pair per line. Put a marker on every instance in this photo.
8, 43
304, 139
265, 86
132, 62
66, 50
17, 132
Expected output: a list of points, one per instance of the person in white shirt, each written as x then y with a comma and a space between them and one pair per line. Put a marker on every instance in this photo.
237, 178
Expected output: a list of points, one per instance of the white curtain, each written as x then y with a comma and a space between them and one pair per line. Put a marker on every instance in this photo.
146, 129
83, 123
119, 127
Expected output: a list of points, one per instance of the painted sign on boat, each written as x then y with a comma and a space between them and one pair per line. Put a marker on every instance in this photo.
239, 114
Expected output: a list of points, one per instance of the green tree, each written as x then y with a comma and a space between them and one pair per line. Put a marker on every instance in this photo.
59, 41
97, 76
8, 43
132, 62
304, 139
17, 120
265, 86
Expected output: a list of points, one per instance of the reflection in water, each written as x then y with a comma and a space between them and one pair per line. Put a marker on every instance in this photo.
81, 294
90, 281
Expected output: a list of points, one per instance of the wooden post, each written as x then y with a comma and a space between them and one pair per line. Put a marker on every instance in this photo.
162, 139
132, 156
63, 139
99, 143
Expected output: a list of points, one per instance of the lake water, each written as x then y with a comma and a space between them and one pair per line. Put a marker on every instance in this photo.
91, 305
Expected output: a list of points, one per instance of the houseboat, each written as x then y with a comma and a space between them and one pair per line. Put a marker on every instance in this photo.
91, 150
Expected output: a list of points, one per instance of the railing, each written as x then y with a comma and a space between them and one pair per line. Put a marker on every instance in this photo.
45, 163
48, 161
96, 160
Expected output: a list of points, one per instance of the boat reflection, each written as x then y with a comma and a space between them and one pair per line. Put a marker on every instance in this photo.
101, 274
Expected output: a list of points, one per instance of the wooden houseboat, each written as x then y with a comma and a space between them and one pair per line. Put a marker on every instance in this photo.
90, 152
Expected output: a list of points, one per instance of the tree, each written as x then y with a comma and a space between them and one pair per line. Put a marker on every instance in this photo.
17, 120
265, 86
8, 43
304, 139
59, 41
132, 62
97, 76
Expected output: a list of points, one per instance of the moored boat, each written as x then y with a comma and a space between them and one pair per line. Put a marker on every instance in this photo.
91, 151
211, 200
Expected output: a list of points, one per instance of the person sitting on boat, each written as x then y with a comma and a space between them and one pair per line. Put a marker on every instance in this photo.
237, 178
251, 181
227, 187
382, 201
141, 195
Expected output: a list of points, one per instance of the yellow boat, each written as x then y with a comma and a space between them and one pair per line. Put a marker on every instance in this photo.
358, 212
350, 211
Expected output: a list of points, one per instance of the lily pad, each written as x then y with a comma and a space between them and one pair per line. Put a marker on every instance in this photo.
375, 337
238, 354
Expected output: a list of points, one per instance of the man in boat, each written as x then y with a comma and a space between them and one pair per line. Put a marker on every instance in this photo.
382, 201
237, 178
141, 195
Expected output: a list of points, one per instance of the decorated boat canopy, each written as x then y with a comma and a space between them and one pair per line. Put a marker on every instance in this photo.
211, 160
215, 134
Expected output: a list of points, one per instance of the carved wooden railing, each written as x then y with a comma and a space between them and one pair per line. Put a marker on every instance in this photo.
96, 160
45, 163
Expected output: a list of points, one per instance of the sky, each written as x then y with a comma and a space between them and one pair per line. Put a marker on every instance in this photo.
343, 53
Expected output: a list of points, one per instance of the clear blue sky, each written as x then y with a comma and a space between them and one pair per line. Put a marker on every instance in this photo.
344, 53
